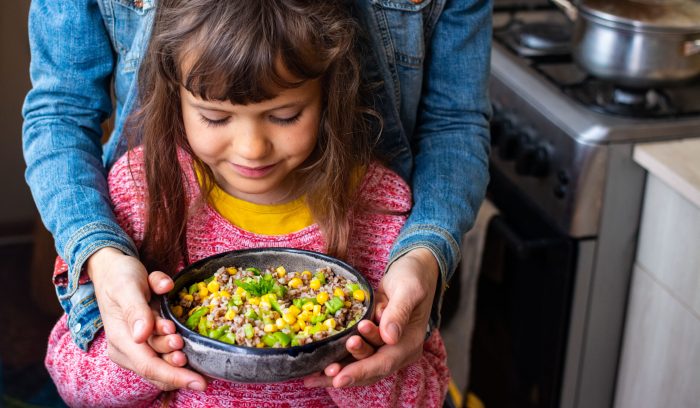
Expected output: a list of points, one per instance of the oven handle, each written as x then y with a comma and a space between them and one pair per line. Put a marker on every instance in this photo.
522, 248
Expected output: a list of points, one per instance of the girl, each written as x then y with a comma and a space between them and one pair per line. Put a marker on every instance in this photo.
253, 135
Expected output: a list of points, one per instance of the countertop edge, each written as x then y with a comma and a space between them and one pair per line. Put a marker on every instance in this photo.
676, 163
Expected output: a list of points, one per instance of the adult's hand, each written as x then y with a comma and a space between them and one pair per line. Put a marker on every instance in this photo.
136, 335
404, 300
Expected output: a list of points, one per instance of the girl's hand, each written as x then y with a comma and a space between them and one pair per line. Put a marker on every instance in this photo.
135, 335
404, 299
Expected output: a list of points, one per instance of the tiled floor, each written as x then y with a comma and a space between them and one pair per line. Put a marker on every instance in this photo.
24, 381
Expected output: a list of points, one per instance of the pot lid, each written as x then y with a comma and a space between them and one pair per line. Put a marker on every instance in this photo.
649, 14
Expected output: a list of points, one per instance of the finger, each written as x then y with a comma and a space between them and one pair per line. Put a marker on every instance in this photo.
175, 359
333, 369
163, 326
371, 369
317, 380
160, 283
370, 333
157, 370
358, 348
380, 304
137, 313
396, 315
166, 344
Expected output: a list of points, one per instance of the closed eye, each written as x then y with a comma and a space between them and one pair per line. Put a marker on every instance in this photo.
214, 122
285, 121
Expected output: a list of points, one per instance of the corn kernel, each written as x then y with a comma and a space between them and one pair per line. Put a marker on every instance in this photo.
317, 310
269, 328
188, 298
230, 314
265, 305
339, 292
182, 293
240, 291
232, 270
271, 297
294, 310
255, 301
308, 306
322, 297
224, 293
348, 303
330, 323
315, 284
213, 286
280, 271
201, 285
203, 292
306, 273
301, 324
280, 323
304, 316
260, 345
294, 283
177, 310
295, 327
358, 295
289, 318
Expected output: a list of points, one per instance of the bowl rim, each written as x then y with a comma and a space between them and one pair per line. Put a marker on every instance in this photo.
185, 332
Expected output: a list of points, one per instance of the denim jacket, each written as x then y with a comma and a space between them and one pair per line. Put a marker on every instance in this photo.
431, 56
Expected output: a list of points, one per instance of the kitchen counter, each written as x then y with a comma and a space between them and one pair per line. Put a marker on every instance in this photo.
660, 363
675, 163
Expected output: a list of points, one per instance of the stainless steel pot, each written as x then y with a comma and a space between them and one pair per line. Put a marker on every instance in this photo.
636, 43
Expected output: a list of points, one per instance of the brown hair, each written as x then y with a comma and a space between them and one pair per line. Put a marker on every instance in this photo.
235, 48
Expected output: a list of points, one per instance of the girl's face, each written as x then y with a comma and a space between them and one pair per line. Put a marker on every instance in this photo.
253, 149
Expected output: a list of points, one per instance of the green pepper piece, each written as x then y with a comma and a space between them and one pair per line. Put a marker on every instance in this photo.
248, 330
295, 342
256, 271
282, 338
269, 340
202, 327
334, 304
193, 320
236, 299
319, 318
316, 328
193, 288
279, 290
298, 302
250, 314
228, 337
218, 332
209, 279
275, 306
321, 277
352, 287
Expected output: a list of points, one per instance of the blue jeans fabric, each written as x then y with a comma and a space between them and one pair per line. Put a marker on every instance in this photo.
431, 57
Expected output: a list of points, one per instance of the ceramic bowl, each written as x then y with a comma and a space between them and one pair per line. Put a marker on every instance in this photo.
258, 365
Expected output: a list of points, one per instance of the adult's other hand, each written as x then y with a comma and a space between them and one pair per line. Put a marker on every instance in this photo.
404, 300
136, 336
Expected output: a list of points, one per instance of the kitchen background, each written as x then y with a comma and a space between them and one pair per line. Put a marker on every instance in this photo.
584, 258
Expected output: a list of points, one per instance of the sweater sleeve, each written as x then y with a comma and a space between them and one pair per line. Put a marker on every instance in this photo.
386, 199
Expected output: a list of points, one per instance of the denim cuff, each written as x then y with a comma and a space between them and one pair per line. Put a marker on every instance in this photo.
88, 240
445, 250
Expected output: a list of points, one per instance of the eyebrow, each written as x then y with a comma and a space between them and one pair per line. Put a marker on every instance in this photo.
214, 109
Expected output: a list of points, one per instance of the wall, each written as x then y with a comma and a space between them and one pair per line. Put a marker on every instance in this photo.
17, 209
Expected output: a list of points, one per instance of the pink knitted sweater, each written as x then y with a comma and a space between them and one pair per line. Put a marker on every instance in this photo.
91, 379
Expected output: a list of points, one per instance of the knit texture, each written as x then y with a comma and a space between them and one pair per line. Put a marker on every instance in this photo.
91, 379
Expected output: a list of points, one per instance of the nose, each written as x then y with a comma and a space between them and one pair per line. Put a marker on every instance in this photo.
251, 142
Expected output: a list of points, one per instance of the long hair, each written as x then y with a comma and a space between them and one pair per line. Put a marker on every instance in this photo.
234, 49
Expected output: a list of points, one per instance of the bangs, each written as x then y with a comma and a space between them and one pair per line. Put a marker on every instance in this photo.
252, 63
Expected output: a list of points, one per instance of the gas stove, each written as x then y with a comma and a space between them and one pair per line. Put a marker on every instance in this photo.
569, 196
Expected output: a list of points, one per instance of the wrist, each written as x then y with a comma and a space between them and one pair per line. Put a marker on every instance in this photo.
98, 260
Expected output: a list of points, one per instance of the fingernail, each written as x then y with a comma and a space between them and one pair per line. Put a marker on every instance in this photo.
171, 343
344, 382
139, 325
196, 386
394, 331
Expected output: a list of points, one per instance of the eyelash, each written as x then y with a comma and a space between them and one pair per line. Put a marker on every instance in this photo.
224, 121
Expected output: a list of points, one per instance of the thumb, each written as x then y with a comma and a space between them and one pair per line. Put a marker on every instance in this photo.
160, 282
396, 315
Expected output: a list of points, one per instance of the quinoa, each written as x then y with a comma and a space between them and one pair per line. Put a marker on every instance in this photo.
270, 308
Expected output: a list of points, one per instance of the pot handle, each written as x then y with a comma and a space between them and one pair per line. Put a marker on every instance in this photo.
568, 8
690, 47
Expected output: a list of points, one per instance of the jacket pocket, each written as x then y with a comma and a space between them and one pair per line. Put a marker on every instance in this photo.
131, 19
402, 24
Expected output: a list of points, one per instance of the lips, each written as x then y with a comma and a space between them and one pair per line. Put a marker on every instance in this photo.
254, 172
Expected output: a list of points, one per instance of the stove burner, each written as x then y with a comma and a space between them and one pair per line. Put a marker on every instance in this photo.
609, 98
536, 39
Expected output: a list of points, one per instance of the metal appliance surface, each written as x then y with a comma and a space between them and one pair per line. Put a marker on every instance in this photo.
569, 196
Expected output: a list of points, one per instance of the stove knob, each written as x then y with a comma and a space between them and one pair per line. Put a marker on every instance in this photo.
533, 160
511, 143
500, 125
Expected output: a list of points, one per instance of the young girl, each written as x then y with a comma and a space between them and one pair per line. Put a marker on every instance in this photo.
253, 135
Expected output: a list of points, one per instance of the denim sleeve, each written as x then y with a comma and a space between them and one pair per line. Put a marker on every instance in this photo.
451, 140
71, 71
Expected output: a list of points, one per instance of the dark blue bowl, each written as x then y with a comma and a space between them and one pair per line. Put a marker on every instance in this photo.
260, 365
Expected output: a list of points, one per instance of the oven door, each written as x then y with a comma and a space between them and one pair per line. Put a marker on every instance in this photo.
523, 304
